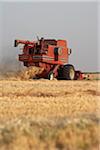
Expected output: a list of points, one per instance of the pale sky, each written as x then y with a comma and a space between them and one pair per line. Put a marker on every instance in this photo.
77, 22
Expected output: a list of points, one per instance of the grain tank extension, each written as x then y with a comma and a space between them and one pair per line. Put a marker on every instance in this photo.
50, 54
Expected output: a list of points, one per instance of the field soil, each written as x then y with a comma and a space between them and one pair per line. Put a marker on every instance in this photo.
49, 115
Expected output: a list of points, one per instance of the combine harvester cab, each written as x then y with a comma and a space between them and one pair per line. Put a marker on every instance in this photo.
49, 54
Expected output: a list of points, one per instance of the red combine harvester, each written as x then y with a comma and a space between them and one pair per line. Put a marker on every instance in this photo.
50, 54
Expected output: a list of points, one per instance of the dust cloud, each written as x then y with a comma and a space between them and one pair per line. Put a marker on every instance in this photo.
9, 63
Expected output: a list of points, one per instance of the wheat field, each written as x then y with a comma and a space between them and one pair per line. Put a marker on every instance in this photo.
49, 115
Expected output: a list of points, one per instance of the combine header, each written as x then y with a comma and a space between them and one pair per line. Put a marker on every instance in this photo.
51, 55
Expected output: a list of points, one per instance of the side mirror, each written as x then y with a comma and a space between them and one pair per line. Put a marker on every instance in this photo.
15, 43
69, 51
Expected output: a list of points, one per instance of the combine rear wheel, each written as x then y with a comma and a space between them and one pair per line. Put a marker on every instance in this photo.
69, 72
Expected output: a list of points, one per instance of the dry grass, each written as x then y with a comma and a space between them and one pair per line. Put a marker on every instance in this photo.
42, 114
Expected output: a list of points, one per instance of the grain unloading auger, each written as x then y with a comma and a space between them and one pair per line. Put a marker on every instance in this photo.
49, 54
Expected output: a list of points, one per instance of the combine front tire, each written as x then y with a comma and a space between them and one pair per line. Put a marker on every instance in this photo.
51, 76
68, 72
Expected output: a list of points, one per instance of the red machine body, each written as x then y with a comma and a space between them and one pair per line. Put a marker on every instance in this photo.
50, 54
78, 75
